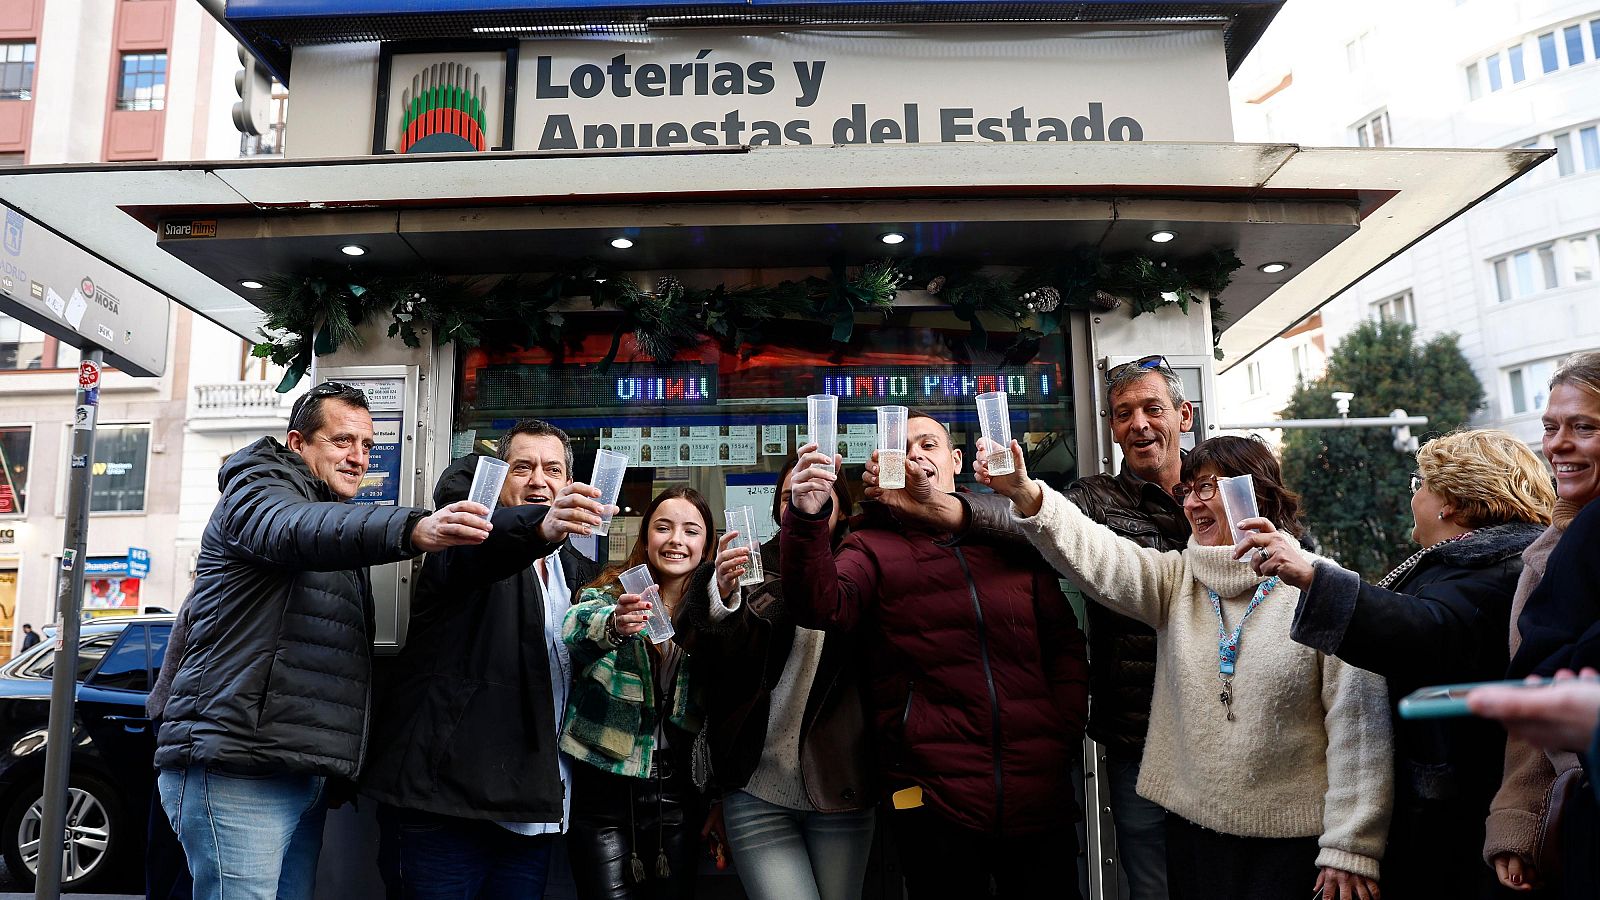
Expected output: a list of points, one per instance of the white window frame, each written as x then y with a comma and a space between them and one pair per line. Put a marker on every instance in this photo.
1534, 383
1405, 302
1364, 130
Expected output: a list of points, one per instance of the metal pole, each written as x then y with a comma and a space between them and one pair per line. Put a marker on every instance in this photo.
53, 835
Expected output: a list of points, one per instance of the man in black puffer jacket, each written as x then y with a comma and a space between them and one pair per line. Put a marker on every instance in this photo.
464, 753
270, 699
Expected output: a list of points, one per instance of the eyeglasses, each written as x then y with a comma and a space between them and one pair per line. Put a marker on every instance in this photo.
1156, 363
1416, 482
1205, 490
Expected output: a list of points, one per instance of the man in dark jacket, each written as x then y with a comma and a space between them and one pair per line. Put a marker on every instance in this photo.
465, 748
30, 638
975, 683
1148, 418
270, 699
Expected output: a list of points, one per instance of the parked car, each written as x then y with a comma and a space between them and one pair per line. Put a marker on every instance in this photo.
112, 775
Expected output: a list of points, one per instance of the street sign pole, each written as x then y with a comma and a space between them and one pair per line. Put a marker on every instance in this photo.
53, 835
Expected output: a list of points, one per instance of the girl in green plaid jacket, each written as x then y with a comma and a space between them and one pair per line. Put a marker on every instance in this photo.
634, 710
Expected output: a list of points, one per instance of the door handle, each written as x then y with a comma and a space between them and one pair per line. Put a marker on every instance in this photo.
130, 724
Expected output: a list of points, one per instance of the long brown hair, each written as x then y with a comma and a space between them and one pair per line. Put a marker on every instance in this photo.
1228, 456
610, 577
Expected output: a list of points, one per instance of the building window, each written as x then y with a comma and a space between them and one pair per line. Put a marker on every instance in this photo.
1474, 82
121, 467
16, 70
1564, 161
16, 441
1492, 64
1374, 131
1530, 387
1559, 48
1580, 262
1574, 36
1300, 355
1514, 63
1399, 308
1547, 52
21, 345
271, 143
1252, 372
1356, 52
143, 85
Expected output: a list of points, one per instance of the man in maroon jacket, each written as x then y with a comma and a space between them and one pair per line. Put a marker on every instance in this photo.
975, 682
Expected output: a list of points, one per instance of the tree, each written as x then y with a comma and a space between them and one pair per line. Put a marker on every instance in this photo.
1354, 485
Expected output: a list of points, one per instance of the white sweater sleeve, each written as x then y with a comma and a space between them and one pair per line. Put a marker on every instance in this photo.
1136, 581
1360, 761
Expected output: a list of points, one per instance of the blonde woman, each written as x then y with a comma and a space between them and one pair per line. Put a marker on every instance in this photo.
1479, 499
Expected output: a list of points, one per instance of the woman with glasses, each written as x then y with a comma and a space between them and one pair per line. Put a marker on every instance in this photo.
1272, 759
1441, 617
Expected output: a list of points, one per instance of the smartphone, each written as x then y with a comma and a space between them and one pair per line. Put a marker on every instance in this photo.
1447, 700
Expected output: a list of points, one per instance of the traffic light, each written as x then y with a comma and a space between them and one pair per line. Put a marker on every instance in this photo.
253, 113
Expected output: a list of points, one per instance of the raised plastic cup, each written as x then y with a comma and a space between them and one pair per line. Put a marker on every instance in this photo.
994, 419
638, 580
487, 480
1239, 502
742, 519
822, 425
609, 467
891, 447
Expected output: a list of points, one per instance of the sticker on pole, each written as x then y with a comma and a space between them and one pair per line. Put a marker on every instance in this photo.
88, 375
83, 418
67, 557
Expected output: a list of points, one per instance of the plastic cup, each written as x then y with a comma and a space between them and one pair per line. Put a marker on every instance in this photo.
891, 447
609, 467
487, 480
1239, 502
638, 580
822, 425
743, 520
994, 418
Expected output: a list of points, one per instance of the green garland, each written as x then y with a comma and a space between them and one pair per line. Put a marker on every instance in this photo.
318, 314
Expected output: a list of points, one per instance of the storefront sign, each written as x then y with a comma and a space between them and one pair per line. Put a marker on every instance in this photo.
941, 83
79, 299
138, 562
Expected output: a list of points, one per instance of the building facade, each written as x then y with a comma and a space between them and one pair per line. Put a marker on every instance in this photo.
1514, 277
119, 80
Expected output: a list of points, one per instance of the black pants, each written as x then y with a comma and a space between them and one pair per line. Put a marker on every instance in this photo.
615, 817
1203, 865
944, 861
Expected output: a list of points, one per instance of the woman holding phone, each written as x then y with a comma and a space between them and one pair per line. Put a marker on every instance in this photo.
635, 710
1479, 498
1272, 759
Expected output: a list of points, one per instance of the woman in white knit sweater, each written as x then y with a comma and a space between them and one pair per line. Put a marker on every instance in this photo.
1273, 760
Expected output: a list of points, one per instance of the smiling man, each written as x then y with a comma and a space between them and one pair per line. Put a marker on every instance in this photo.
974, 680
465, 753
270, 699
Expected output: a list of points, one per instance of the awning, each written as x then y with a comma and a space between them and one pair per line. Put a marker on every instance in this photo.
1331, 214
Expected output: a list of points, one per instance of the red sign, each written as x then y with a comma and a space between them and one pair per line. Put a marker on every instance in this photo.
88, 375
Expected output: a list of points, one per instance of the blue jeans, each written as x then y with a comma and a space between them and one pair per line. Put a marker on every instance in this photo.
786, 854
445, 858
1141, 831
247, 837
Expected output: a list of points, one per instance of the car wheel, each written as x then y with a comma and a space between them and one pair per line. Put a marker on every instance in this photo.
96, 826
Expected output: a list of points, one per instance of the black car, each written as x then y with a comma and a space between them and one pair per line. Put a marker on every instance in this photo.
113, 746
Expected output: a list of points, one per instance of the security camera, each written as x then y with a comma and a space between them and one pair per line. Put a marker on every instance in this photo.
1342, 400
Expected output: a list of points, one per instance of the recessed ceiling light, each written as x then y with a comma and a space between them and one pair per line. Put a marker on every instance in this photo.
1273, 268
251, 284
1162, 237
892, 237
621, 243
353, 250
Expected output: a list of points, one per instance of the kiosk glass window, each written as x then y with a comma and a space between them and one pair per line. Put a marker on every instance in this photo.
21, 345
16, 443
725, 421
121, 467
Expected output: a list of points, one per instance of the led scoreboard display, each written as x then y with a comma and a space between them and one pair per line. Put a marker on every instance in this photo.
586, 386
929, 385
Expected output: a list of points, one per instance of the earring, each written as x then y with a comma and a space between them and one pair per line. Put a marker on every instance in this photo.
1441, 517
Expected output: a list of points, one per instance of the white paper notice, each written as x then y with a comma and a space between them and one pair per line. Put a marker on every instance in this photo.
702, 451
76, 307
759, 498
742, 452
774, 440
54, 301
704, 431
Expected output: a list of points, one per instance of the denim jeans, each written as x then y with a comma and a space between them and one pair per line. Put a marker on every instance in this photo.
446, 858
1141, 831
786, 854
247, 837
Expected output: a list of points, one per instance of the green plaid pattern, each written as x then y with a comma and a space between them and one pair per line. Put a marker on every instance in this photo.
611, 709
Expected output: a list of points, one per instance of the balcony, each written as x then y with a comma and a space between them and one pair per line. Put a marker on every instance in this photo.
247, 402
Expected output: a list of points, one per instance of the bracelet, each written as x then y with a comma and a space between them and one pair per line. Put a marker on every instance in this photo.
612, 635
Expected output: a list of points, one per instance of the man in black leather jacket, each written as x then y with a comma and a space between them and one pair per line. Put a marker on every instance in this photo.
270, 699
1148, 416
465, 754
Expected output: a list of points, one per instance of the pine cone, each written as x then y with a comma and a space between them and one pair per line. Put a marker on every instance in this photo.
1047, 299
1105, 301
936, 284
668, 288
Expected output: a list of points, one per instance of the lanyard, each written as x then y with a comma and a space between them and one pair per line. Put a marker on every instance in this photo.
1228, 644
